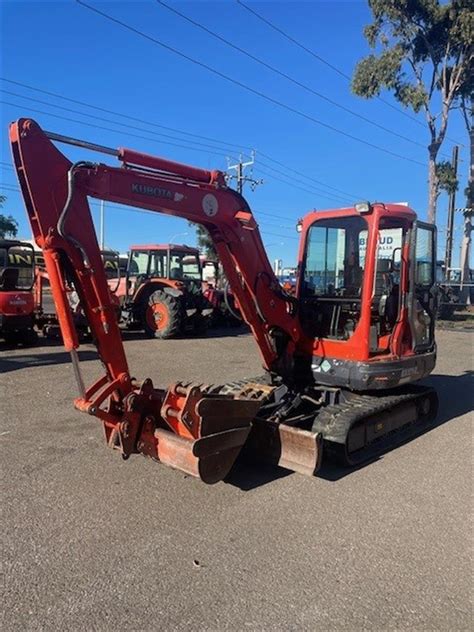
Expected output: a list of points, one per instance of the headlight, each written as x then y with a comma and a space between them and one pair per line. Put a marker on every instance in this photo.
363, 207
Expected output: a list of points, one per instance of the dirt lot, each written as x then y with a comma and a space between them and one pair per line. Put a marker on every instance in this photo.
91, 542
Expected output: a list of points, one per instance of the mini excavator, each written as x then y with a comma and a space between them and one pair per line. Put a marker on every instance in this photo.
341, 355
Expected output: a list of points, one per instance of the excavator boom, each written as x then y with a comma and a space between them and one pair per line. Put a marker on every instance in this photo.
340, 356
191, 427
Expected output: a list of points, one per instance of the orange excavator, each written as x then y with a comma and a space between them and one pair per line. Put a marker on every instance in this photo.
341, 356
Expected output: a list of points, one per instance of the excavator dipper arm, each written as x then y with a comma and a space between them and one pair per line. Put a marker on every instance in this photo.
187, 426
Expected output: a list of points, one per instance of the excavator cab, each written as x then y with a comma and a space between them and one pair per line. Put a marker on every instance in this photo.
366, 295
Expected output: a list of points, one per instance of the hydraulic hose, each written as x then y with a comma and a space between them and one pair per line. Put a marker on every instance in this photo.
227, 304
70, 194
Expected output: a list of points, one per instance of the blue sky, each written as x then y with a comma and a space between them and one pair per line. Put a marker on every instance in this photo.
63, 48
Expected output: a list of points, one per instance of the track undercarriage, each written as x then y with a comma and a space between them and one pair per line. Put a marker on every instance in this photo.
352, 427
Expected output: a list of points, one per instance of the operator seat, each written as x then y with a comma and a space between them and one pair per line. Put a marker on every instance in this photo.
9, 279
386, 292
175, 273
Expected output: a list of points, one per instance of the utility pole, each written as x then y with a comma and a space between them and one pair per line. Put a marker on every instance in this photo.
240, 175
450, 227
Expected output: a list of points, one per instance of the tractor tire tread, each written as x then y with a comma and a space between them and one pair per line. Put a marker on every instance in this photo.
175, 313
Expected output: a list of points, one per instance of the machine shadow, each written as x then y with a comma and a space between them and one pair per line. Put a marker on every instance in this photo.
247, 474
456, 398
30, 360
215, 332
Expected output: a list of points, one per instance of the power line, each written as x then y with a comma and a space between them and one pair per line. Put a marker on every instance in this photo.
277, 162
281, 104
324, 61
296, 186
266, 232
108, 129
315, 189
296, 82
13, 188
284, 217
9, 187
126, 116
268, 174
140, 129
101, 118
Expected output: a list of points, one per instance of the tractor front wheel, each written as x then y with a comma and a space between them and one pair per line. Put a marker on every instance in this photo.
162, 315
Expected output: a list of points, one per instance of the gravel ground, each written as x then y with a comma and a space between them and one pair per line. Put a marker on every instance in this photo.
91, 542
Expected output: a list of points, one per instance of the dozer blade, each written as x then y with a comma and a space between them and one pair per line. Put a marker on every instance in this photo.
274, 442
368, 425
286, 446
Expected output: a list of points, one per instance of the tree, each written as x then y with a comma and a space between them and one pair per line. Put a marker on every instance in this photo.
204, 240
8, 225
468, 215
424, 56
446, 178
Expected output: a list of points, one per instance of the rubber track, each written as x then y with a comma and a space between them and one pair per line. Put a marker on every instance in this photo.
336, 421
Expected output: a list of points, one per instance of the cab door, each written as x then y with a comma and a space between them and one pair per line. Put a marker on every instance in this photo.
423, 282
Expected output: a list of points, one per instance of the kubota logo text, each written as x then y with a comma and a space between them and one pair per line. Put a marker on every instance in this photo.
17, 300
144, 189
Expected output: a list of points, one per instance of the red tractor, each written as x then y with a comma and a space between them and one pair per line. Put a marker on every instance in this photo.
17, 305
217, 291
161, 290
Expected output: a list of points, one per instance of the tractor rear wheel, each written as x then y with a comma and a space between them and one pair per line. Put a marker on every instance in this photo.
162, 315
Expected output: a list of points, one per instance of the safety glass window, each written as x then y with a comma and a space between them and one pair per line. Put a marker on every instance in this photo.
139, 262
16, 268
158, 265
424, 256
334, 265
184, 266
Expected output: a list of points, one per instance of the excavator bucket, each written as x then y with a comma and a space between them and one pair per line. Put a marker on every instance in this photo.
224, 426
198, 430
185, 427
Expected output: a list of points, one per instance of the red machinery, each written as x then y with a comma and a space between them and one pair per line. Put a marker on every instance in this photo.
17, 306
339, 356
45, 318
161, 291
218, 294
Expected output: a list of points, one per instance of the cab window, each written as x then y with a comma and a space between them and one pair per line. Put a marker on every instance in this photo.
139, 262
16, 268
184, 266
159, 264
334, 264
